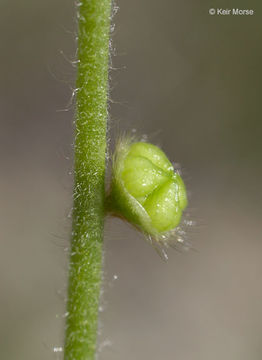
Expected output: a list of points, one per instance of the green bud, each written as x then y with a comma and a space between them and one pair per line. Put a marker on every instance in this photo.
145, 189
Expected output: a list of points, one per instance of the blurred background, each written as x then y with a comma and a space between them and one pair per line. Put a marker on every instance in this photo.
192, 83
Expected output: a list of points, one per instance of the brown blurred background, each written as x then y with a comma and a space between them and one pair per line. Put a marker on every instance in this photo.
192, 82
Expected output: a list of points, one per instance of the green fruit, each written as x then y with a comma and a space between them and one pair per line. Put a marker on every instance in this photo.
145, 188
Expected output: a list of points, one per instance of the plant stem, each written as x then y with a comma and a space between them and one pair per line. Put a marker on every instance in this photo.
90, 150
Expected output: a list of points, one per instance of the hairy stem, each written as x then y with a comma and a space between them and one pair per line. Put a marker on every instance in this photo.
90, 150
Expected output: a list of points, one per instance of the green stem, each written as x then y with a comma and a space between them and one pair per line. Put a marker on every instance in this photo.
90, 150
